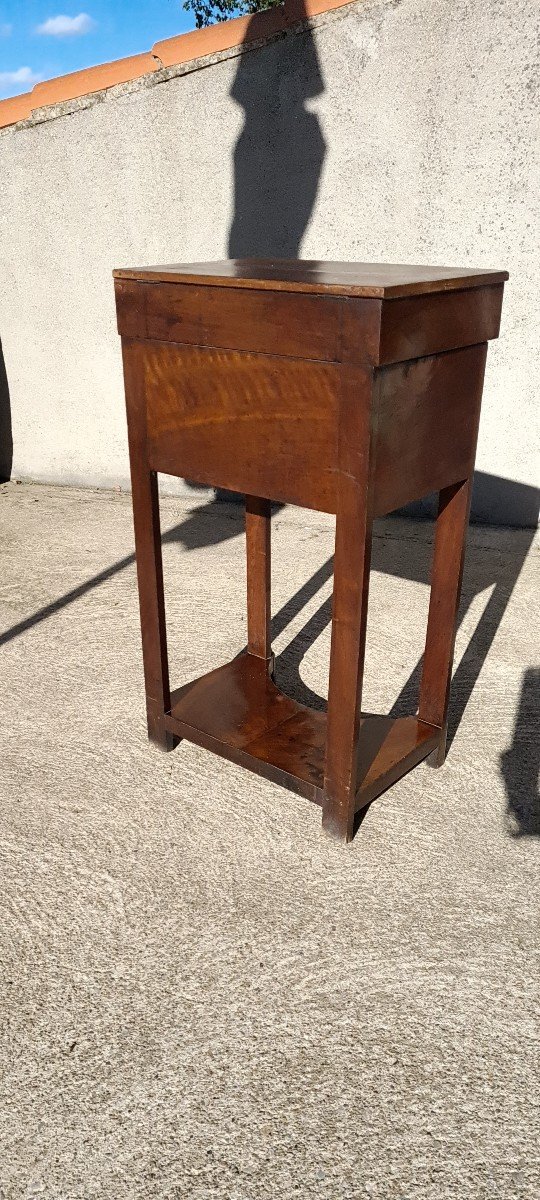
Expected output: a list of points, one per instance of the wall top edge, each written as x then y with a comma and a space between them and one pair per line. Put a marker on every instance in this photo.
173, 52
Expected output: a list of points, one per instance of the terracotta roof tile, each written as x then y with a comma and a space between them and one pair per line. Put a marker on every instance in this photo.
175, 51
16, 108
93, 79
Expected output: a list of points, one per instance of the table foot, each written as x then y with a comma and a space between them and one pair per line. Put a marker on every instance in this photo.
438, 757
338, 826
158, 734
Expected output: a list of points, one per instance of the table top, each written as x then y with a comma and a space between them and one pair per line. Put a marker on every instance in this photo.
382, 280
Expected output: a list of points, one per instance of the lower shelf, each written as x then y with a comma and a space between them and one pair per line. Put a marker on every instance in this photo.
238, 712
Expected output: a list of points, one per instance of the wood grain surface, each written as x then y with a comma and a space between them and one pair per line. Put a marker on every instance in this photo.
249, 423
333, 278
349, 388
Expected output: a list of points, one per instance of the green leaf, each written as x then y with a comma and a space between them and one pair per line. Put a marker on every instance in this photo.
209, 12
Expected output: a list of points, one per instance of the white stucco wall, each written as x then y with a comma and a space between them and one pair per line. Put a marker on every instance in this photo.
429, 115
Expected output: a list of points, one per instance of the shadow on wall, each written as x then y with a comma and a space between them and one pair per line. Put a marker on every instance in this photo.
495, 501
6, 437
280, 152
278, 161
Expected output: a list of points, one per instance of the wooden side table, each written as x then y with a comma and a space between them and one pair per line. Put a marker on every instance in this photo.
345, 387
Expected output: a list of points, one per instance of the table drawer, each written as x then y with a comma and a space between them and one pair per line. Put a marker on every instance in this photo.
261, 322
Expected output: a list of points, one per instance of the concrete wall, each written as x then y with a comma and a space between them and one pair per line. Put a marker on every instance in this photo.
392, 130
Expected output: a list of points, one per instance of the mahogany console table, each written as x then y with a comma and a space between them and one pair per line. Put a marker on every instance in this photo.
345, 387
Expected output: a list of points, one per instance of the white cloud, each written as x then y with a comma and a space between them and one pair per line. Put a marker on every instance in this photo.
5, 29
23, 75
62, 26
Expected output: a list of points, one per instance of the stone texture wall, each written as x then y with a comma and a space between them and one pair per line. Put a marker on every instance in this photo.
402, 130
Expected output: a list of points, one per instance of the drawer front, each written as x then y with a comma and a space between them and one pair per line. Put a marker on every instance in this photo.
231, 318
251, 423
323, 328
426, 425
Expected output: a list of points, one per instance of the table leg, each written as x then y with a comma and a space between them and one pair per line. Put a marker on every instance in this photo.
148, 555
349, 617
349, 606
258, 576
446, 576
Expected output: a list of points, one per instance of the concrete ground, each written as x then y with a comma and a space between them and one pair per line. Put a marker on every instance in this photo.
204, 996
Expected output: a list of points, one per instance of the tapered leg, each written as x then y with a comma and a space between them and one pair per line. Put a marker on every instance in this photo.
148, 555
258, 576
349, 606
446, 576
152, 606
350, 602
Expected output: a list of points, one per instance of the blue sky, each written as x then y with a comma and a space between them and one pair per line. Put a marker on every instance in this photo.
39, 39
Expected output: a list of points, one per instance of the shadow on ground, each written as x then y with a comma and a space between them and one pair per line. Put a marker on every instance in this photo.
520, 764
216, 521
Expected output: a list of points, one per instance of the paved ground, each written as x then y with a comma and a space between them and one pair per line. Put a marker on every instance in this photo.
204, 997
